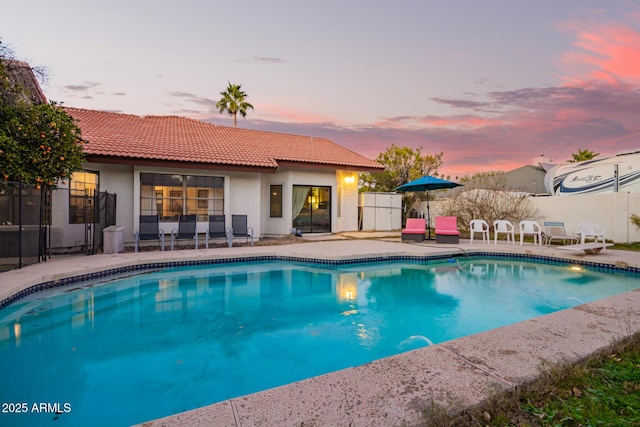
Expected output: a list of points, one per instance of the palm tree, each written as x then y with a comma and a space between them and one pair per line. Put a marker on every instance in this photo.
583, 155
233, 101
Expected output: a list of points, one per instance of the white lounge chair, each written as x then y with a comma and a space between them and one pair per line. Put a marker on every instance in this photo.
554, 230
531, 228
505, 227
479, 226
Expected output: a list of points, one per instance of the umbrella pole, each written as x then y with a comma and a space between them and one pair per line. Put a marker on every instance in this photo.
428, 217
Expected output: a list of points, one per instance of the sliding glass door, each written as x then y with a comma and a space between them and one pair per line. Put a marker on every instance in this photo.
312, 209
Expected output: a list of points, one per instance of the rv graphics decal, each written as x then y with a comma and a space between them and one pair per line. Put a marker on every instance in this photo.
606, 175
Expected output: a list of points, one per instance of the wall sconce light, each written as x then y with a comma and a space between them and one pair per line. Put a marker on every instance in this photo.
350, 179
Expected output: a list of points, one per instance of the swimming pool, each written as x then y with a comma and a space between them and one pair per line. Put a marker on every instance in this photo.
180, 338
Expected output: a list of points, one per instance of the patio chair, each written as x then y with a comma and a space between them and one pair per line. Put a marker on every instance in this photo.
590, 230
447, 229
217, 228
505, 227
149, 229
186, 230
414, 230
555, 230
531, 228
479, 226
239, 227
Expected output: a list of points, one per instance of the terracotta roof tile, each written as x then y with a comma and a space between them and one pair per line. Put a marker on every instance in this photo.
22, 74
175, 138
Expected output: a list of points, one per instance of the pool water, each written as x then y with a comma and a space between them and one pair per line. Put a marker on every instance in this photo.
155, 344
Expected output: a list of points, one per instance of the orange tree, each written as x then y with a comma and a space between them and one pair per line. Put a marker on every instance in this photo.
40, 144
402, 164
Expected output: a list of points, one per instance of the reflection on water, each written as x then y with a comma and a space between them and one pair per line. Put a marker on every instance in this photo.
413, 342
181, 338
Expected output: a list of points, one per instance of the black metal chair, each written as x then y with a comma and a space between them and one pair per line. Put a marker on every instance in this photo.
149, 229
217, 228
239, 227
186, 229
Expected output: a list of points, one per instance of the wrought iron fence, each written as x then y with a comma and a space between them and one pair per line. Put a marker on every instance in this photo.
25, 223
25, 220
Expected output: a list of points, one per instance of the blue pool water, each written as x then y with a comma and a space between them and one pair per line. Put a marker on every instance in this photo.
155, 344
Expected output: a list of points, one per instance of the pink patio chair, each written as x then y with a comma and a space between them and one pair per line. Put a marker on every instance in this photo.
447, 229
415, 229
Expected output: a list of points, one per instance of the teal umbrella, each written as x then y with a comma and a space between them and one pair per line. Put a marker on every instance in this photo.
427, 183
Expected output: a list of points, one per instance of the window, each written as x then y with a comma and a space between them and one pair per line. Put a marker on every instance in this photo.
83, 187
275, 201
172, 195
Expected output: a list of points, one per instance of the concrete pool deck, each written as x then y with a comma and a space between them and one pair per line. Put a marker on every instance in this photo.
391, 391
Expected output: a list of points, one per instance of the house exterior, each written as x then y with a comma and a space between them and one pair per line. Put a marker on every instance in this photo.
169, 166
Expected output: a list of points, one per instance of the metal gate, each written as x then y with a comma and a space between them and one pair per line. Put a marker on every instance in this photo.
99, 213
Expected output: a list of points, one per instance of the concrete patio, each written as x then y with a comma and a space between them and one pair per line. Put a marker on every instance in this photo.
391, 391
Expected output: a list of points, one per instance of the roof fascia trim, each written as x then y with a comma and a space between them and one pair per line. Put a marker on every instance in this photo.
96, 158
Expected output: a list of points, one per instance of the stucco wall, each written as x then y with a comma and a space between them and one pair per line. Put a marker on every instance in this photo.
347, 181
276, 226
344, 198
118, 180
245, 194
610, 210
113, 179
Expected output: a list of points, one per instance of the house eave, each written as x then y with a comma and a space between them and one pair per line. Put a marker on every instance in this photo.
327, 166
96, 158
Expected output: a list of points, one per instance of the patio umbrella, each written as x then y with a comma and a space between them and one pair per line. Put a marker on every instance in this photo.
426, 183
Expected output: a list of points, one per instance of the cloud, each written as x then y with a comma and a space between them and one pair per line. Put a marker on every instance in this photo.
81, 87
263, 60
525, 123
603, 52
467, 121
283, 113
195, 99
594, 106
460, 103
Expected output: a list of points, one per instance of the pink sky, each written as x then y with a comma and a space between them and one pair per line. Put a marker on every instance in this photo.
490, 84
596, 106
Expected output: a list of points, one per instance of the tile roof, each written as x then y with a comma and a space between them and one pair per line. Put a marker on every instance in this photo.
22, 74
179, 139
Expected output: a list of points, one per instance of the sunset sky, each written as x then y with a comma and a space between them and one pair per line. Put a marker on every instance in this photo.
492, 83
